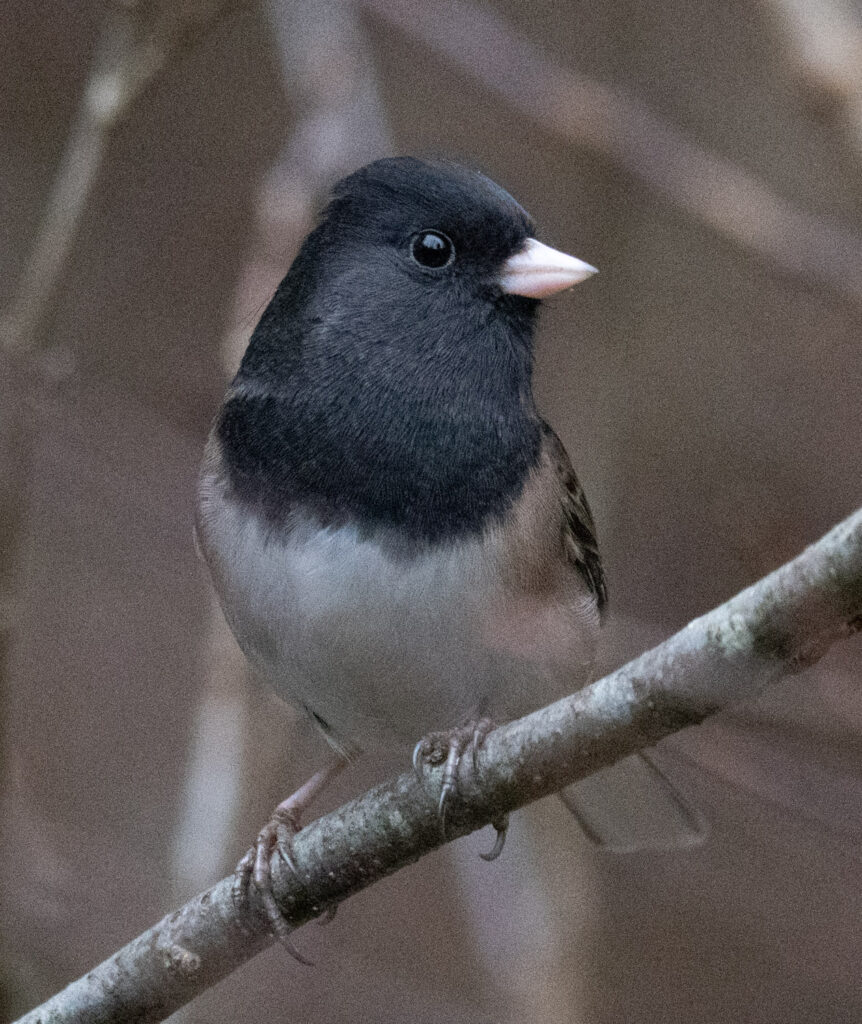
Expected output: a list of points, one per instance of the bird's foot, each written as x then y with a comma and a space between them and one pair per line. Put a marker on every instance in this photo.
449, 749
255, 868
277, 836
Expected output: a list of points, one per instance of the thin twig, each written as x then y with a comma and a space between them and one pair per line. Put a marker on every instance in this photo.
610, 121
136, 44
341, 125
781, 624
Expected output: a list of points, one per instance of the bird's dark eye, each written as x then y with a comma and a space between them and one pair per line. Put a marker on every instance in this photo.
432, 249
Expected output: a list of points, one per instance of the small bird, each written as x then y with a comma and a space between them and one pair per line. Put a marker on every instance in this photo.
397, 538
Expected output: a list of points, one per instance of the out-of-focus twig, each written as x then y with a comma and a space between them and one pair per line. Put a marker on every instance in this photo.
329, 75
136, 43
825, 42
781, 624
608, 120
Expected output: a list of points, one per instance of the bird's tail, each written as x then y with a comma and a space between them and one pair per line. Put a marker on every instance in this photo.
633, 806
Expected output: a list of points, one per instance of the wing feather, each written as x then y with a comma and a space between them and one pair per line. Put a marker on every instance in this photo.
579, 530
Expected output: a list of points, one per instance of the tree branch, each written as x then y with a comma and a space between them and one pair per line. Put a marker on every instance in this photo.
781, 624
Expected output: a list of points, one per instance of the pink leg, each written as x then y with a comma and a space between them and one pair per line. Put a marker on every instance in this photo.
277, 834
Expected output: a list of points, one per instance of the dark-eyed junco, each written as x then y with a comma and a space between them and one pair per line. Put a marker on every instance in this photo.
397, 538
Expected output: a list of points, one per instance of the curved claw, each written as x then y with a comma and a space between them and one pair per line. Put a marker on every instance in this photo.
255, 867
245, 872
284, 848
450, 748
277, 834
417, 760
441, 803
480, 733
501, 828
281, 929
446, 794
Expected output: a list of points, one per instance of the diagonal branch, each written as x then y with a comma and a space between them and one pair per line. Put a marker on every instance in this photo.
780, 625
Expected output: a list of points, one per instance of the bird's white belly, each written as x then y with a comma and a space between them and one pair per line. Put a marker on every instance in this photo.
381, 647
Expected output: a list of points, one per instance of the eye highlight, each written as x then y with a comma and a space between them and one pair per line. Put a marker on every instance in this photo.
432, 249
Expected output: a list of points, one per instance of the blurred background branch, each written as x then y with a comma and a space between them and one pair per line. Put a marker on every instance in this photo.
611, 121
824, 43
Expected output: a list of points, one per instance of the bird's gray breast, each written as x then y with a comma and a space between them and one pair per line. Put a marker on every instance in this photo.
380, 644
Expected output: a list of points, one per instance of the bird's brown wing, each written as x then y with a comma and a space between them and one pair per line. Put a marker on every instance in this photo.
631, 805
579, 531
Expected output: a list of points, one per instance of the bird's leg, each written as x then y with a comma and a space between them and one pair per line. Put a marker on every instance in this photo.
277, 834
448, 748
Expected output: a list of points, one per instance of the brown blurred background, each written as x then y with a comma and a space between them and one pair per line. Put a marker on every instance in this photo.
707, 384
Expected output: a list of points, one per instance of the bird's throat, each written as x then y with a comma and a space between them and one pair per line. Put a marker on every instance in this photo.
431, 457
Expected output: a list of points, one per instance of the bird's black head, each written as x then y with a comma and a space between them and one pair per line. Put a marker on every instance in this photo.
435, 230
407, 256
388, 382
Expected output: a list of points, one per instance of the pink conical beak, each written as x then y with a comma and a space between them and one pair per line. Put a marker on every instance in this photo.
537, 271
